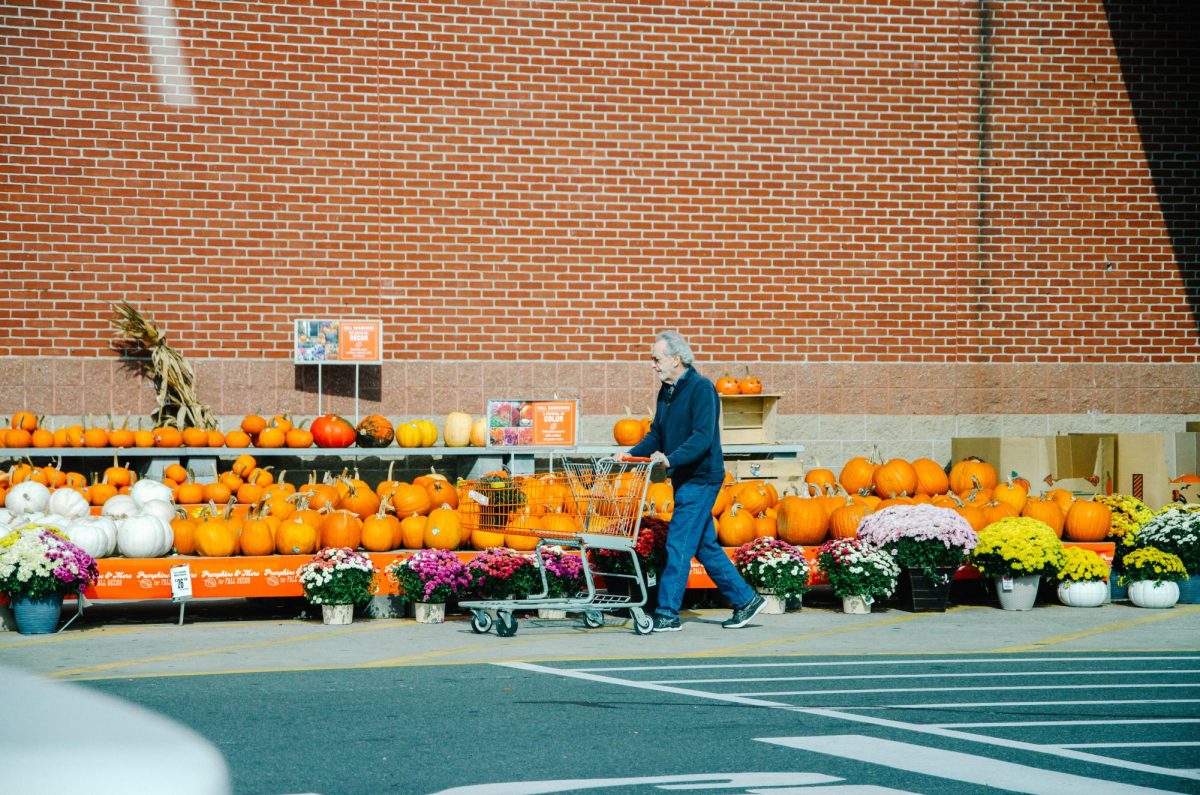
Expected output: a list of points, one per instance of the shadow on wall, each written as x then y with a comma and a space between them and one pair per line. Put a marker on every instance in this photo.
338, 381
1157, 47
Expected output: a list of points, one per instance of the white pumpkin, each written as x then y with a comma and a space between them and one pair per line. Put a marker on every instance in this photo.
144, 536
68, 503
28, 496
145, 490
161, 508
457, 430
93, 537
120, 506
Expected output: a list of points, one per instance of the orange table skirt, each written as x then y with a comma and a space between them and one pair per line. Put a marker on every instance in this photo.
276, 575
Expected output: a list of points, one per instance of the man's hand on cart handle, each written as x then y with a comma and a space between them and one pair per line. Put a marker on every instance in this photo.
660, 458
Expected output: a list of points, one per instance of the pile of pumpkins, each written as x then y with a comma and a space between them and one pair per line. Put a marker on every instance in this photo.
827, 505
280, 431
135, 524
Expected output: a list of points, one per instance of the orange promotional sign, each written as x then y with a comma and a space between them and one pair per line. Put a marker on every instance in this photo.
532, 423
338, 342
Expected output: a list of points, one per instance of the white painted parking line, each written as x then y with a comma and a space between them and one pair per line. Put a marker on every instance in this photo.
989, 674
988, 704
688, 781
1127, 745
1097, 722
1090, 686
956, 766
922, 661
837, 714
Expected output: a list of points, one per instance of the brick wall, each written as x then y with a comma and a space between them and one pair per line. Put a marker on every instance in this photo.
831, 192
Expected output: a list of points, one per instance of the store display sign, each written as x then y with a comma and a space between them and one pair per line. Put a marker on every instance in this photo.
181, 582
338, 341
532, 423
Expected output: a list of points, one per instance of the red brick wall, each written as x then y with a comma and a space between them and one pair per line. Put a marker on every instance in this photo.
514, 181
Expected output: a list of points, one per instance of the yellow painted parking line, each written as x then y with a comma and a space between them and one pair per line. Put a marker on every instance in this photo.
1164, 615
83, 634
109, 666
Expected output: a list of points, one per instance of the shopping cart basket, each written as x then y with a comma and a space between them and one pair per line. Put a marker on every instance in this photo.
589, 505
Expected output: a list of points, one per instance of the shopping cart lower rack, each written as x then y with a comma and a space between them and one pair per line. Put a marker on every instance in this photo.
591, 505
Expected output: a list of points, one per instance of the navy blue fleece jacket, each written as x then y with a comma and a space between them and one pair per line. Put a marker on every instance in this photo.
686, 430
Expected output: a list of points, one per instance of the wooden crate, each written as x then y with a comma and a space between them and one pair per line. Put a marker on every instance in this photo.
748, 419
782, 473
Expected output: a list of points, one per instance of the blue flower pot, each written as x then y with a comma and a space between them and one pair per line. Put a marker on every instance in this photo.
1118, 592
1189, 590
37, 616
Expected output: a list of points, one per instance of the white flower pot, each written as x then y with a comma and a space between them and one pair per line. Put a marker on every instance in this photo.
429, 612
337, 614
776, 606
1017, 593
1153, 593
1083, 594
857, 605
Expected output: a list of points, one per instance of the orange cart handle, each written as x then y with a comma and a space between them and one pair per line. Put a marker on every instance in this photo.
634, 459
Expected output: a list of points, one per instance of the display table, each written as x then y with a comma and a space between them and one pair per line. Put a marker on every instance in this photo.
275, 575
202, 461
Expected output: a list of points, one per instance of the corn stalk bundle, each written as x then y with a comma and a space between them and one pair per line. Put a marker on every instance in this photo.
147, 352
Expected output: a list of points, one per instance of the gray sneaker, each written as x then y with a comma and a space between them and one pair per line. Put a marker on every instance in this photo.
741, 617
666, 623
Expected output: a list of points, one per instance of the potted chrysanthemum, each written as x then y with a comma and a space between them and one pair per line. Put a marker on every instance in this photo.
1176, 529
564, 577
858, 572
38, 566
1016, 552
428, 579
1153, 577
502, 573
338, 578
1082, 578
774, 568
928, 543
1128, 515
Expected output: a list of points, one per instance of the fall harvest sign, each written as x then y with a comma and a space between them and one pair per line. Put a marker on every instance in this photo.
532, 423
338, 342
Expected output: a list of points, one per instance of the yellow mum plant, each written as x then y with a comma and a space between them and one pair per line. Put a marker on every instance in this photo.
1018, 547
1128, 515
1153, 564
1082, 565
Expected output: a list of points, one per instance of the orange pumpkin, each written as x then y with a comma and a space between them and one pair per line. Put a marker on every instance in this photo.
972, 473
628, 431
844, 521
443, 529
215, 539
750, 385
408, 499
857, 475
727, 385
257, 537
931, 477
1088, 521
801, 520
821, 479
412, 531
896, 478
735, 526
1046, 511
381, 531
296, 538
1012, 494
341, 528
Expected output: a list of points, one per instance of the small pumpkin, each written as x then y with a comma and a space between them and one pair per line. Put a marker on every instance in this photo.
330, 430
750, 385
442, 529
727, 385
457, 429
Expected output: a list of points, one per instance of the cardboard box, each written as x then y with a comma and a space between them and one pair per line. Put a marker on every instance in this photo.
748, 419
1187, 454
1141, 466
1082, 465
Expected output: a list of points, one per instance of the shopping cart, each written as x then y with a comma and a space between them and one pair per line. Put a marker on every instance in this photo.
593, 505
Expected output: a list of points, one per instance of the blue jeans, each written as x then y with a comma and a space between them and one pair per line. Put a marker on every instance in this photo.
691, 535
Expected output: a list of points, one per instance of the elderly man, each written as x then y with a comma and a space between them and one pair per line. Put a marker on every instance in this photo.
685, 438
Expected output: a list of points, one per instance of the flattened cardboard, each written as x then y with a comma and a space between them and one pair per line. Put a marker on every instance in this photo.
1083, 466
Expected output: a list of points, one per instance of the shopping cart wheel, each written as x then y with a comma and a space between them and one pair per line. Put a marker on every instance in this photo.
593, 618
481, 622
506, 624
642, 623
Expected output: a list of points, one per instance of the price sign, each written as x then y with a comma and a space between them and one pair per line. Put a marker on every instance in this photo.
338, 341
532, 423
181, 582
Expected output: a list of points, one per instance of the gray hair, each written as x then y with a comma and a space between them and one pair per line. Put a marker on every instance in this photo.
677, 346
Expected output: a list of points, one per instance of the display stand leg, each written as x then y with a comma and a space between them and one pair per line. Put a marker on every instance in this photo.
182, 605
356, 368
320, 392
79, 605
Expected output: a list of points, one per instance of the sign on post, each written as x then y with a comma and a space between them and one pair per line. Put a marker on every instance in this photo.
338, 341
532, 423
